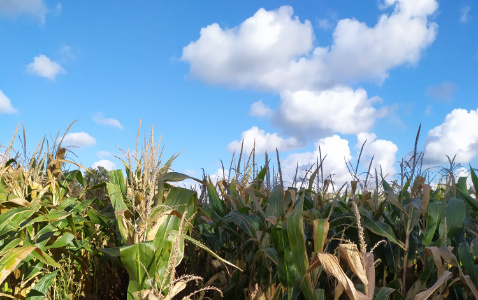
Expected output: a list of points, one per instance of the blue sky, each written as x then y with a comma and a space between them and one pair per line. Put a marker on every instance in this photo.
292, 75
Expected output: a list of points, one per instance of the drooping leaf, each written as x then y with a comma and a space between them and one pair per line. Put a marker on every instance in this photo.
9, 261
39, 291
381, 229
440, 281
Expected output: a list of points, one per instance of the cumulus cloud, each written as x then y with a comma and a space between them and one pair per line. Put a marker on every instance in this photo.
340, 110
465, 14
13, 8
262, 45
456, 135
107, 164
273, 50
259, 109
337, 151
100, 119
5, 105
264, 141
444, 91
79, 139
382, 151
44, 67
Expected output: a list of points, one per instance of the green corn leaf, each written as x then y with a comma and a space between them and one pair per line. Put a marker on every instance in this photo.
10, 245
65, 240
474, 179
212, 253
216, 203
45, 258
286, 271
275, 205
12, 219
381, 229
466, 261
117, 178
295, 233
139, 262
383, 293
455, 216
436, 211
39, 291
120, 207
471, 201
321, 229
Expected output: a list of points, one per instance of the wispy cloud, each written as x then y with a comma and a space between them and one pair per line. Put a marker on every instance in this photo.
444, 91
14, 8
465, 11
66, 53
102, 154
100, 119
6, 106
44, 67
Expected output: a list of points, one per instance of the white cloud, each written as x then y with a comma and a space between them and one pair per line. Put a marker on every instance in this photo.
107, 164
79, 139
44, 67
5, 105
259, 109
383, 153
444, 91
465, 14
337, 151
264, 141
456, 135
273, 50
340, 110
100, 118
360, 52
13, 8
252, 54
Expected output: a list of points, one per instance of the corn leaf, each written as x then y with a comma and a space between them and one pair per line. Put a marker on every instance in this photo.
39, 291
321, 229
455, 216
11, 259
139, 261
381, 229
436, 211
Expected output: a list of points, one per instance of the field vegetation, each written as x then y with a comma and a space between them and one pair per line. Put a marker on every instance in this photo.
68, 232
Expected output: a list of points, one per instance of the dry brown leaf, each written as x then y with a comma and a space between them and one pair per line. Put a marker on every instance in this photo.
441, 280
352, 255
331, 266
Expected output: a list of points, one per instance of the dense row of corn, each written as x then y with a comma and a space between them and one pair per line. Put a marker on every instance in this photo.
64, 237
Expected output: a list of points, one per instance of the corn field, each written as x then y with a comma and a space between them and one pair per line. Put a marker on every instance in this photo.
137, 234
